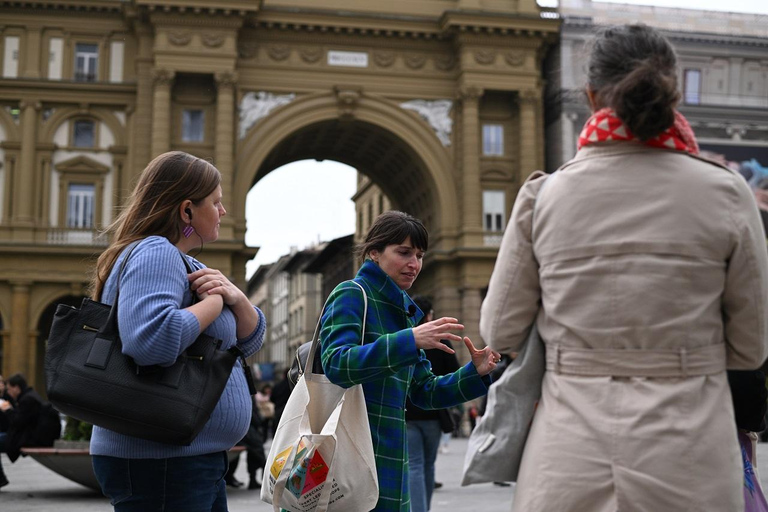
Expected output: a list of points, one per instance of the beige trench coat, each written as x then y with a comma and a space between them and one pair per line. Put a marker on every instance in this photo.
647, 277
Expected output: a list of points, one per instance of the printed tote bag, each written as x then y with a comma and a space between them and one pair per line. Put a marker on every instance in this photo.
321, 457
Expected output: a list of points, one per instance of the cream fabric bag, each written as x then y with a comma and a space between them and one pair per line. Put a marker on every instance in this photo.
321, 457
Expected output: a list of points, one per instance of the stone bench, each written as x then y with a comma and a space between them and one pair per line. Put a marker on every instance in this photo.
75, 463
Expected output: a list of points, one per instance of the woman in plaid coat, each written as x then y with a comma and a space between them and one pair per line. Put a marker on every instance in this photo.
390, 363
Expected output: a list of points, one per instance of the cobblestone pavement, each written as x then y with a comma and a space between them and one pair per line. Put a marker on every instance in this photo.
34, 488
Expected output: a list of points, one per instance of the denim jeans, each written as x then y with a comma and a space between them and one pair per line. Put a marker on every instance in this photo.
179, 484
423, 442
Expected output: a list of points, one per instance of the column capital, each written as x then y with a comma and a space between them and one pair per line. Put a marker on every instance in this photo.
37, 105
226, 78
162, 76
469, 93
529, 96
20, 285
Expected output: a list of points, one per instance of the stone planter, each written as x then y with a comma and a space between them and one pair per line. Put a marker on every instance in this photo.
72, 460
63, 444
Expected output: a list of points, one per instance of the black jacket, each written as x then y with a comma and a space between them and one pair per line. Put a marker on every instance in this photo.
32, 422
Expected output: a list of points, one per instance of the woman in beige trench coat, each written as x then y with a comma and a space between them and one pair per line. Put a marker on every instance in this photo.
645, 270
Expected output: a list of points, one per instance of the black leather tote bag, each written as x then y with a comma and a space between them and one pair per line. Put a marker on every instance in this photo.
89, 378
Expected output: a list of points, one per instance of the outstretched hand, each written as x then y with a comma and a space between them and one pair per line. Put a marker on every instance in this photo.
485, 359
429, 334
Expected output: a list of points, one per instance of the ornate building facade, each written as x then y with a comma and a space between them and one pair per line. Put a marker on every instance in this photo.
437, 102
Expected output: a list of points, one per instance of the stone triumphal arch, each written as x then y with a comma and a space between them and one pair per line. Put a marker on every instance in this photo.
438, 102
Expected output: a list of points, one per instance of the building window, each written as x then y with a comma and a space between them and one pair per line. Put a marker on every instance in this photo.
692, 86
84, 134
55, 58
192, 124
11, 57
493, 140
86, 62
493, 210
81, 199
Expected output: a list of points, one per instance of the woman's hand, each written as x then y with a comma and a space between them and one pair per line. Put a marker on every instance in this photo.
209, 281
484, 360
429, 334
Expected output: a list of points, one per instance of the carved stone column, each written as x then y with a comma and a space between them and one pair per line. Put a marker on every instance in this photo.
225, 142
16, 352
161, 111
472, 221
24, 179
530, 147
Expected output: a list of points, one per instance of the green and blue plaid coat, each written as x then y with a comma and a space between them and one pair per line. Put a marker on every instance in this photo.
389, 366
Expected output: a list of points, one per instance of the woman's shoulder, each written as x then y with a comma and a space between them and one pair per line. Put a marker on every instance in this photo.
350, 291
155, 250
154, 244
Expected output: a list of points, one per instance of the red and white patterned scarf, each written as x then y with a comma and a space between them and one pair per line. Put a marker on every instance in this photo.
605, 125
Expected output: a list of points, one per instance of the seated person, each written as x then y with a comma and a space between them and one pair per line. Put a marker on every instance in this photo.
31, 421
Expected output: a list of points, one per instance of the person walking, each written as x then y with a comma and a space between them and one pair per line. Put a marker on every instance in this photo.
425, 427
390, 362
175, 209
645, 270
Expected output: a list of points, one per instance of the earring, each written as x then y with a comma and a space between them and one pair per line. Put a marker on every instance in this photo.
188, 230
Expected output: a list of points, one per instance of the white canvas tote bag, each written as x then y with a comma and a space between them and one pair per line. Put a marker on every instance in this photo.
321, 457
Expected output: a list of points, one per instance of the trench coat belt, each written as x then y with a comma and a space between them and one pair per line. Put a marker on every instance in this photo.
680, 362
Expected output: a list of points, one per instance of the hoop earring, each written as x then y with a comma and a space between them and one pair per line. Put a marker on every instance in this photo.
188, 230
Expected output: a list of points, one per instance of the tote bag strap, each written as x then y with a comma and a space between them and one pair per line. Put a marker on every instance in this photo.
109, 330
316, 336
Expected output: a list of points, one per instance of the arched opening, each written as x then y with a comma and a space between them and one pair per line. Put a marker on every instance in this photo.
395, 148
389, 162
299, 205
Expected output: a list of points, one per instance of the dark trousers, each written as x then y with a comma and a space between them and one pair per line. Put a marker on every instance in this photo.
178, 484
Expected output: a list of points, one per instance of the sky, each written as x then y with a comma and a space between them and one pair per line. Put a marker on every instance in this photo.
298, 205
305, 202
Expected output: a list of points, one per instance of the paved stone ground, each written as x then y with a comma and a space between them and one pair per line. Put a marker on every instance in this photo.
34, 488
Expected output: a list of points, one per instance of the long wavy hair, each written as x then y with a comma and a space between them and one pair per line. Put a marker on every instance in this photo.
152, 209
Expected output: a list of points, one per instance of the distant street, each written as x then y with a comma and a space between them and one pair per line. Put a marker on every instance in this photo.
34, 488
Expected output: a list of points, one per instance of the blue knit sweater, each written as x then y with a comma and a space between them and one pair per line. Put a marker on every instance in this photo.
155, 329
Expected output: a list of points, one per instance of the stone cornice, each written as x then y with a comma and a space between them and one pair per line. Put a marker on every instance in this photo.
404, 27
62, 91
585, 26
192, 19
498, 24
237, 8
114, 6
324, 22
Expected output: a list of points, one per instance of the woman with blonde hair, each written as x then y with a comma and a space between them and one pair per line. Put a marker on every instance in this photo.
175, 208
